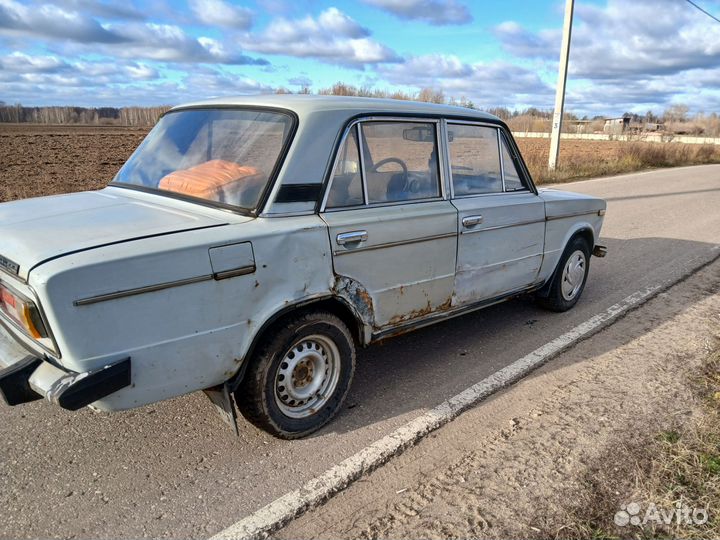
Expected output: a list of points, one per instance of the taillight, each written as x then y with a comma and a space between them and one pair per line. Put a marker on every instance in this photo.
22, 311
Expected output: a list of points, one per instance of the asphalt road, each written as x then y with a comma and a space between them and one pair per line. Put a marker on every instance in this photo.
175, 470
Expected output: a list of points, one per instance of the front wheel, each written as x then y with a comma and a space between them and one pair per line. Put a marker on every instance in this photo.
570, 276
300, 376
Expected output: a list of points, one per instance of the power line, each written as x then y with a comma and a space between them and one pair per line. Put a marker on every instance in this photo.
701, 9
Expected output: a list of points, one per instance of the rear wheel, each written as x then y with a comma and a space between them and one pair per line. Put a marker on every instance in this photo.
570, 276
300, 376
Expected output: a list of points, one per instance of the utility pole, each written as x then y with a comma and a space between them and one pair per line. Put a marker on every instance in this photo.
560, 91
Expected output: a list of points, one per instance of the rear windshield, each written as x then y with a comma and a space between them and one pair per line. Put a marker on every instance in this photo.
223, 156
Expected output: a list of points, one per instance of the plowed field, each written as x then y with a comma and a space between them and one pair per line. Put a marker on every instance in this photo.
43, 160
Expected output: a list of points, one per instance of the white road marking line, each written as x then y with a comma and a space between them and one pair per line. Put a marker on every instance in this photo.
291, 505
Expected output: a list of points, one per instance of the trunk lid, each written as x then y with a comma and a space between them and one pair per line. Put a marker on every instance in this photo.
33, 231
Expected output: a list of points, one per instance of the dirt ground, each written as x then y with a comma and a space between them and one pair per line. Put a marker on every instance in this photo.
555, 455
40, 160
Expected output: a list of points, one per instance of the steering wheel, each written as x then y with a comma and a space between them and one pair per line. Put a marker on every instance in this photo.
398, 184
385, 161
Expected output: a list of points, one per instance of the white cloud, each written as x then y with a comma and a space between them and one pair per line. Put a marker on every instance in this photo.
18, 62
435, 12
18, 65
151, 41
303, 81
333, 37
51, 21
628, 54
519, 42
109, 9
220, 13
116, 84
209, 82
488, 84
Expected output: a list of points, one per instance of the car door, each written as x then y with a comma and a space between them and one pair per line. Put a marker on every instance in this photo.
501, 221
391, 229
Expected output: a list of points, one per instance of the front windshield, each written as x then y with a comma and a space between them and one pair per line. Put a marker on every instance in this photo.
221, 155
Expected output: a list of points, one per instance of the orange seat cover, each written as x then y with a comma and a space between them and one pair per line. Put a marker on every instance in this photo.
213, 179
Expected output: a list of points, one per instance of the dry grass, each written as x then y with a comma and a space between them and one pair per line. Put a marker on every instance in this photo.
678, 467
601, 158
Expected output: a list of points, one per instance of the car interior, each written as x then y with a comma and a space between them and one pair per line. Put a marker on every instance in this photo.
389, 176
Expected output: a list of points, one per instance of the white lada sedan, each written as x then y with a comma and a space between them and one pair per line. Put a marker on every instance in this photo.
250, 245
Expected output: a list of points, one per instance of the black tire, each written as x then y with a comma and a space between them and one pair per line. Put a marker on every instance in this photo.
556, 300
259, 397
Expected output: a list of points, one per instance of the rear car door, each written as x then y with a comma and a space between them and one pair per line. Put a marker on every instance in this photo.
391, 228
501, 220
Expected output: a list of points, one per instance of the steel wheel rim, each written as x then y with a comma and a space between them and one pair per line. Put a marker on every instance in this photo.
307, 376
573, 275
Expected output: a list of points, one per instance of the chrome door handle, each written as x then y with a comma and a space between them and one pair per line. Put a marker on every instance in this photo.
351, 237
471, 221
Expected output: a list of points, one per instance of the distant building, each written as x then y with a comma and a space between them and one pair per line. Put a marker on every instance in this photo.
578, 126
654, 126
616, 126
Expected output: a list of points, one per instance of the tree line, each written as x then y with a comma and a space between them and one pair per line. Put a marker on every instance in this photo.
93, 116
675, 118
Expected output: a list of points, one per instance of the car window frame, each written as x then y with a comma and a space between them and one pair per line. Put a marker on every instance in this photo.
272, 182
449, 159
355, 123
502, 135
512, 151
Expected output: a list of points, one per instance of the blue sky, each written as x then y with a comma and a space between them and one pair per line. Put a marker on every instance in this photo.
627, 55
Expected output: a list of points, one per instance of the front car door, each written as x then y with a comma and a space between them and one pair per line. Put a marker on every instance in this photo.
501, 219
392, 230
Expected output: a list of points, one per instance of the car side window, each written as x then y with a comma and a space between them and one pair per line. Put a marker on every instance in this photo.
474, 159
400, 161
513, 182
346, 188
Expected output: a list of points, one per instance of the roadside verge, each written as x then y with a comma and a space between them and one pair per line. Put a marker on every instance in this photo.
281, 511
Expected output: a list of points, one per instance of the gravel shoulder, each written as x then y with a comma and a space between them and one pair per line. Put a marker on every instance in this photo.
521, 464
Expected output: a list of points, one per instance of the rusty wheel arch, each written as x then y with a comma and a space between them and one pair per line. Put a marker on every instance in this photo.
331, 303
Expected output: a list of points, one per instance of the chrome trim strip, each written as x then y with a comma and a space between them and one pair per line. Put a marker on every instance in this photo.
449, 188
141, 290
341, 146
583, 213
502, 160
287, 214
496, 194
360, 139
383, 205
394, 244
496, 227
441, 158
242, 271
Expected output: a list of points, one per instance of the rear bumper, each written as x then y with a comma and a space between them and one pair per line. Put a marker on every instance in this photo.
25, 378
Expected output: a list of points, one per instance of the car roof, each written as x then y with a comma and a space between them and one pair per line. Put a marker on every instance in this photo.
305, 104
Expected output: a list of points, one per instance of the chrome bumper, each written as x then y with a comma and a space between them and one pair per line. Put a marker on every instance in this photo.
25, 378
